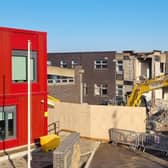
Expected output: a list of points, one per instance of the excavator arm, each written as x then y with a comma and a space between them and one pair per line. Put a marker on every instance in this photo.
148, 85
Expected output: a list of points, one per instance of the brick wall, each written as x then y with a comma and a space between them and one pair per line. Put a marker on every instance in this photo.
67, 92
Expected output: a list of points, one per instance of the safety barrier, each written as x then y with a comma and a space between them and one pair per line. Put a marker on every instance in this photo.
139, 140
121, 136
154, 142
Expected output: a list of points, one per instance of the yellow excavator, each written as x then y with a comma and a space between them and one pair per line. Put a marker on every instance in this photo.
134, 99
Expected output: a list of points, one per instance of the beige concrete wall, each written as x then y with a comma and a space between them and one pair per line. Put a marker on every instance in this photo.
105, 117
75, 117
94, 121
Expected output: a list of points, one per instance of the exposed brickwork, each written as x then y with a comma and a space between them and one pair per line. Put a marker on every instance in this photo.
67, 93
90, 76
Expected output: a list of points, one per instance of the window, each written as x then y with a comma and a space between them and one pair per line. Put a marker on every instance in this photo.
100, 64
7, 122
119, 90
63, 64
74, 63
56, 79
49, 62
119, 66
19, 66
85, 89
162, 67
100, 89
119, 94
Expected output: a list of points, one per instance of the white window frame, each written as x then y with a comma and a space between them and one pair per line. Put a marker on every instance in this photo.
119, 63
74, 63
100, 64
119, 88
99, 88
63, 64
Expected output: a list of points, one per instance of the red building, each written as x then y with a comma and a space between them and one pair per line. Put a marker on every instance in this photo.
13, 86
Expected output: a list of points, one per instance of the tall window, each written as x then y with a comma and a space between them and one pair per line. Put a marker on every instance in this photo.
74, 63
100, 64
7, 122
63, 64
119, 94
119, 90
100, 89
119, 66
85, 89
162, 67
19, 66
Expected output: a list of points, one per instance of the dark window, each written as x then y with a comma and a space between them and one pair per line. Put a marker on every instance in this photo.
128, 82
119, 66
162, 67
7, 122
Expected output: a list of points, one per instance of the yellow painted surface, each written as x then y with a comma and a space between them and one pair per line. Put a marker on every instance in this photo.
49, 142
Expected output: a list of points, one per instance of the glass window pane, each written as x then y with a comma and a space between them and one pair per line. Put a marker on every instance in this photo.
98, 66
19, 65
104, 91
104, 66
19, 68
10, 118
1, 115
2, 125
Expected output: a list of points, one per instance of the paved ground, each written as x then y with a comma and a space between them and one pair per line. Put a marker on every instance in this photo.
111, 156
106, 156
44, 160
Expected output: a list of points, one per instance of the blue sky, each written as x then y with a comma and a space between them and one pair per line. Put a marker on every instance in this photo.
92, 25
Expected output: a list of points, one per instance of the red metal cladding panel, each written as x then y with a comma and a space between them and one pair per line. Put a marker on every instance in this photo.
19, 40
16, 93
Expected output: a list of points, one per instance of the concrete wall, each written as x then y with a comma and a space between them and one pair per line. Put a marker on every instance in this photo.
94, 121
71, 116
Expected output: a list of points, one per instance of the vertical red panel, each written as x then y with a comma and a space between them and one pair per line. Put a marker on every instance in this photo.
14, 39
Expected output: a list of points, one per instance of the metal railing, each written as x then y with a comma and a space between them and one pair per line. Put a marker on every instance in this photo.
120, 136
145, 141
54, 127
154, 142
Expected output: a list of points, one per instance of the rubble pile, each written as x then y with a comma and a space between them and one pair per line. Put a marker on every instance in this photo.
159, 115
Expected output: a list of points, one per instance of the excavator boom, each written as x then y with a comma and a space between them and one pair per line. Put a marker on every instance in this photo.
148, 85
